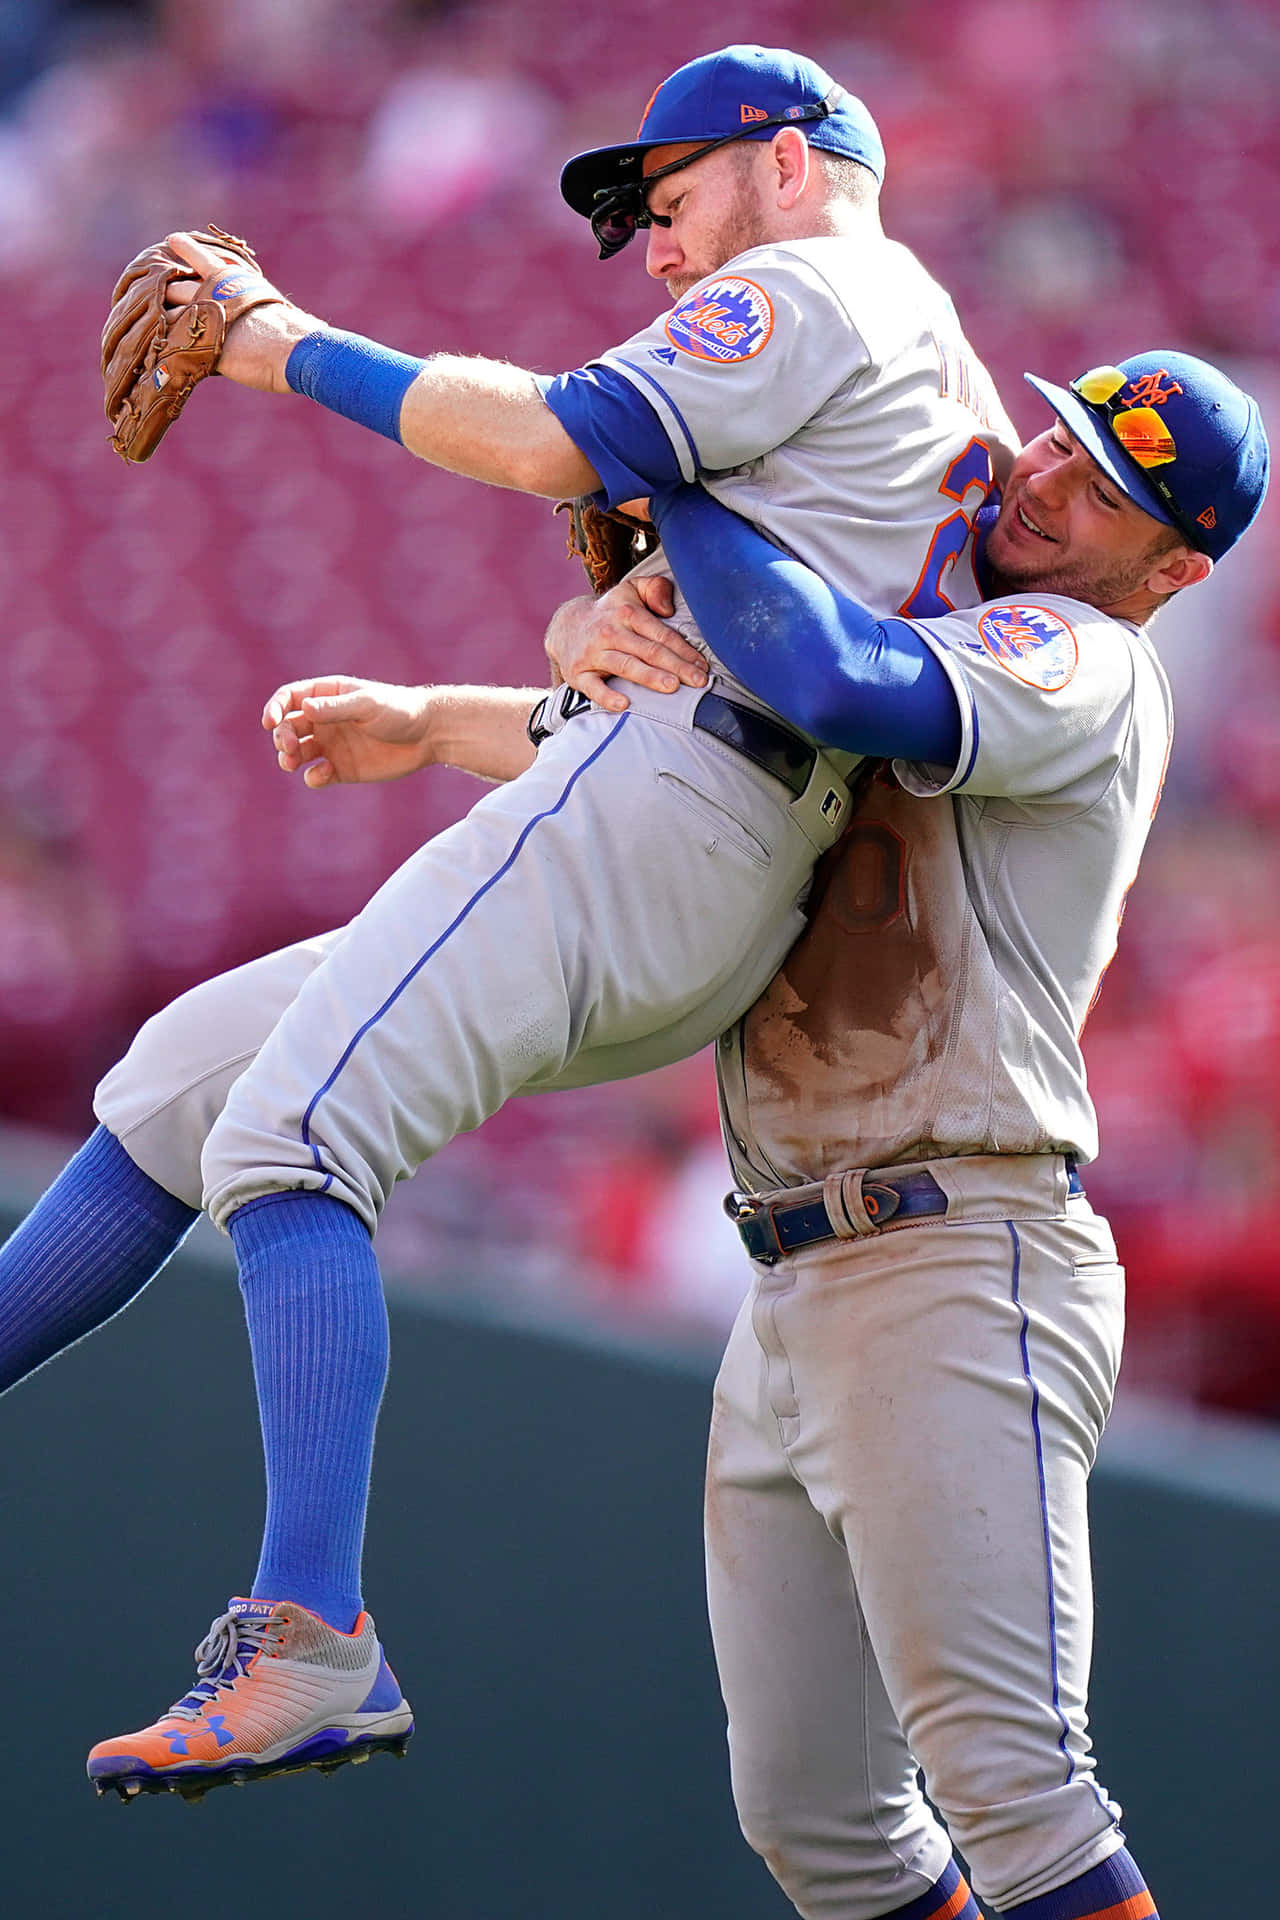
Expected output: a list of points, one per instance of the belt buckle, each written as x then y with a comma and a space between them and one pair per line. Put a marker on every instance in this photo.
746, 1211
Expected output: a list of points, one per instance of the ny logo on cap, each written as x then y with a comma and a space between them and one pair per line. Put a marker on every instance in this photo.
1146, 391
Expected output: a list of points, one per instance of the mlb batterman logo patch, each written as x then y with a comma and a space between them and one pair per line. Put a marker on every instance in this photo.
725, 319
1034, 645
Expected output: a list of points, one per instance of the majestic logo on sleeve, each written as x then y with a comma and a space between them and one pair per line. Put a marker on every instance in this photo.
725, 319
1034, 645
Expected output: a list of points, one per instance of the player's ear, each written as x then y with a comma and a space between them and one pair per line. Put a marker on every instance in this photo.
793, 166
1182, 567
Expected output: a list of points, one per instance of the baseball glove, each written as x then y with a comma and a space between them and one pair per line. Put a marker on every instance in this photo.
609, 543
152, 357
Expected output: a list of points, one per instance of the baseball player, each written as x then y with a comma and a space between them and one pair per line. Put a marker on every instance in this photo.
615, 907
913, 1395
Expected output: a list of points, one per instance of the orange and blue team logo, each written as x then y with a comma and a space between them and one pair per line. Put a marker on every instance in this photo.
725, 319
1034, 645
1150, 390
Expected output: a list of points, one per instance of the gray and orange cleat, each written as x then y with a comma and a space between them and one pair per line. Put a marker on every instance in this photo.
278, 1690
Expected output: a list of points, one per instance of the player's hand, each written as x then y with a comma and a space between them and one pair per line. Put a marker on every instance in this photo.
257, 344
337, 729
624, 634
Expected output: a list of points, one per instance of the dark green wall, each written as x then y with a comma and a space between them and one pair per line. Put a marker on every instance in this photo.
534, 1565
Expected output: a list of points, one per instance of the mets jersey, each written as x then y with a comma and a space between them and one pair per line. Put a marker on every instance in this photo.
960, 929
824, 390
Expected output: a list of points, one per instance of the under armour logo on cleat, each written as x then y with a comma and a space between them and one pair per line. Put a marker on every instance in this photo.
214, 1723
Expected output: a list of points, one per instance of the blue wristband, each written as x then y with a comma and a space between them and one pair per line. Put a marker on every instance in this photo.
355, 377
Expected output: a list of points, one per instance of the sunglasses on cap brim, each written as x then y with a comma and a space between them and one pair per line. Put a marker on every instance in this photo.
619, 211
1141, 432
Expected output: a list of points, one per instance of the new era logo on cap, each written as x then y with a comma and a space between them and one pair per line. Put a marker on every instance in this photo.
751, 115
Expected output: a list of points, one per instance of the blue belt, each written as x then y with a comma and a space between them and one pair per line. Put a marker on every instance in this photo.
769, 1229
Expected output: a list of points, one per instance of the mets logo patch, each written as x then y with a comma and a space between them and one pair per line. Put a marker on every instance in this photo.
726, 319
1034, 645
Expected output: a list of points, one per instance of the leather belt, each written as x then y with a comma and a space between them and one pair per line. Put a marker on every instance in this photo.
771, 1229
775, 748
770, 745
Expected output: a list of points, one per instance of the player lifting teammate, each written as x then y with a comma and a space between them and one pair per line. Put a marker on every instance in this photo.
299, 1161
917, 1383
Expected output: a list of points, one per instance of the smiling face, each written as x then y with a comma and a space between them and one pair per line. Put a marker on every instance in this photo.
716, 209
1065, 527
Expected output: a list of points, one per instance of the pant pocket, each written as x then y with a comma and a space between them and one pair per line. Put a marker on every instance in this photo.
724, 824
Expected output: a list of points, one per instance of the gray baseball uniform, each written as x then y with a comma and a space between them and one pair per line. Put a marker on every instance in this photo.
864, 327
627, 898
916, 1402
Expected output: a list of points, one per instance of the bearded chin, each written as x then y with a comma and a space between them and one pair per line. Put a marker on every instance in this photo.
1023, 571
1078, 582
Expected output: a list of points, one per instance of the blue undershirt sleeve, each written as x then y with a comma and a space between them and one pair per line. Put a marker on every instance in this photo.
617, 430
822, 661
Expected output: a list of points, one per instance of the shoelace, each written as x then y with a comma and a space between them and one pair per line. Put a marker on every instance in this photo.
221, 1658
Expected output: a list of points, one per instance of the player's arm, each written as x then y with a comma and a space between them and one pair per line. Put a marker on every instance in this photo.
644, 416
822, 660
482, 418
337, 730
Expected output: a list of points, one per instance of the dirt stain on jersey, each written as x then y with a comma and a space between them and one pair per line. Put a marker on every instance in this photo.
858, 1017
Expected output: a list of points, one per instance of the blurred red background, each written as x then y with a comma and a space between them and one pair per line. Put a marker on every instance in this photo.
1089, 179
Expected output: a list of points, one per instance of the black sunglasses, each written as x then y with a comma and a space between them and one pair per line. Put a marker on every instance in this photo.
619, 211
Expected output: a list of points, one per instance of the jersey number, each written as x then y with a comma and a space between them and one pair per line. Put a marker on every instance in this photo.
969, 469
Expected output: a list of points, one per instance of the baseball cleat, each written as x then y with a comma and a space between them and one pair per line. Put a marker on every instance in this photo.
278, 1691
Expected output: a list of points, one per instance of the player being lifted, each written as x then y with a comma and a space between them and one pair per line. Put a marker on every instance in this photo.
419, 992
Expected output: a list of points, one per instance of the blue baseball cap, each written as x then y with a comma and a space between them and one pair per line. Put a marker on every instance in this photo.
739, 93
1177, 436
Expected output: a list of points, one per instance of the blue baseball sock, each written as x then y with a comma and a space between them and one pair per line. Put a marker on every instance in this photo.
318, 1330
1114, 1891
949, 1899
87, 1247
